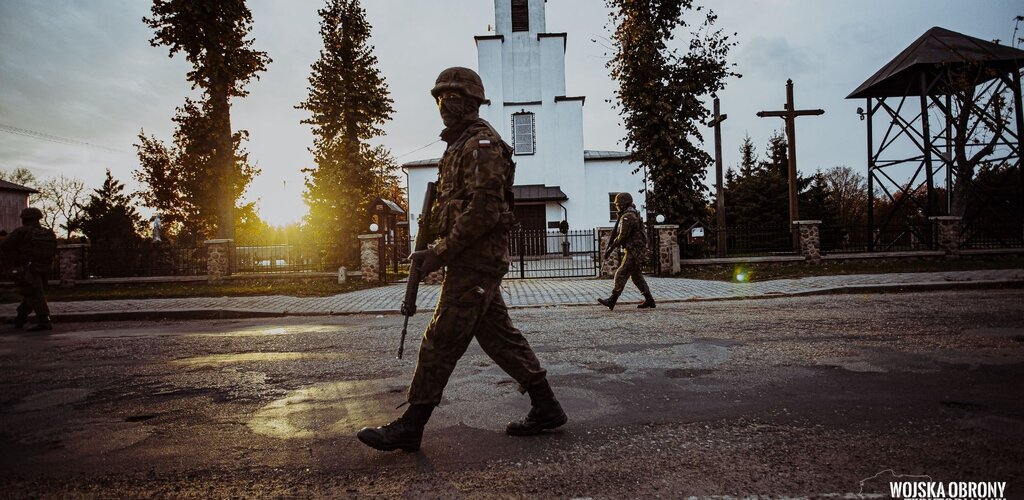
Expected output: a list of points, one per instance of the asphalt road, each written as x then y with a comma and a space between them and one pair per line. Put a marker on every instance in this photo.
799, 397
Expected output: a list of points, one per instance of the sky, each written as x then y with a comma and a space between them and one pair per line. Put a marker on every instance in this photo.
79, 80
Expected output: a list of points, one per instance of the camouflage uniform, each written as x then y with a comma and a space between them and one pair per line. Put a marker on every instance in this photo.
27, 252
633, 241
476, 175
473, 214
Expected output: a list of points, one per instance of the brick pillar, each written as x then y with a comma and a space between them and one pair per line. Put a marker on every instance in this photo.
72, 263
369, 257
810, 240
668, 248
609, 265
947, 230
218, 259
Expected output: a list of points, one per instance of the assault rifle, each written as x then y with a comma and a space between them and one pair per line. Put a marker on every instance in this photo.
413, 285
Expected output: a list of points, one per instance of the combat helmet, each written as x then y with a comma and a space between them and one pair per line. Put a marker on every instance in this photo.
623, 199
458, 78
31, 213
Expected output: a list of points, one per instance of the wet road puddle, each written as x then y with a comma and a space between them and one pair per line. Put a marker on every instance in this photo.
327, 410
263, 331
253, 357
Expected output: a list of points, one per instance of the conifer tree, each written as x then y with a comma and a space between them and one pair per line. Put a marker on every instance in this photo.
215, 39
659, 96
348, 102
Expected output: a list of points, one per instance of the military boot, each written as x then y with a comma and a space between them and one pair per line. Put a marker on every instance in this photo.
404, 433
610, 301
42, 324
648, 302
545, 412
18, 321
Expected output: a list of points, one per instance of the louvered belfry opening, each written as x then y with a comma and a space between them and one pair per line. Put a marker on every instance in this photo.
520, 15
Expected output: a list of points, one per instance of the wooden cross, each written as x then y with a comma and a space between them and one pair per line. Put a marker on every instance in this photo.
716, 123
789, 114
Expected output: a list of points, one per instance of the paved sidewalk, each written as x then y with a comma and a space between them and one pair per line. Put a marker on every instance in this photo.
520, 294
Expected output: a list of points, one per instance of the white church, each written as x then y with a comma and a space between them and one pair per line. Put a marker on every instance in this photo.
523, 71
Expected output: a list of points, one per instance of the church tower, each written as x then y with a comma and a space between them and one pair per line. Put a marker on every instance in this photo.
523, 70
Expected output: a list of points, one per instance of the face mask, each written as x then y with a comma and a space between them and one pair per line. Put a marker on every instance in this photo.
454, 111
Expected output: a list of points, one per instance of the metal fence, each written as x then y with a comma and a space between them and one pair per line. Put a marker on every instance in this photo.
860, 238
993, 233
741, 241
278, 258
104, 260
551, 254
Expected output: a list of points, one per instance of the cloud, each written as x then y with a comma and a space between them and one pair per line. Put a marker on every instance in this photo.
774, 57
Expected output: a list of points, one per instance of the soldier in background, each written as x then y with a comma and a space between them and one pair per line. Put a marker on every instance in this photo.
27, 254
474, 209
629, 235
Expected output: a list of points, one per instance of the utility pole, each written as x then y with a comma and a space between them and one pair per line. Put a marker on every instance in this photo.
789, 114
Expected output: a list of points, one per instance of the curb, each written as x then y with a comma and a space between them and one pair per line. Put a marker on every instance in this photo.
218, 314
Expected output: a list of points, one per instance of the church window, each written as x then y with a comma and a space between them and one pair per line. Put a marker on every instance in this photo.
613, 213
524, 138
520, 15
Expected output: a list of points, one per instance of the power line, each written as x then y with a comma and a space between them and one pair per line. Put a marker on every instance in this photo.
418, 149
42, 136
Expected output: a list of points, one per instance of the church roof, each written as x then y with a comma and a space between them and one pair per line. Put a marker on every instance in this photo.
929, 54
10, 186
538, 192
592, 155
588, 155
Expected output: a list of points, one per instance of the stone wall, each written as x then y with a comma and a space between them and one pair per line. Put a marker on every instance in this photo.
218, 259
668, 248
947, 231
369, 256
72, 263
609, 265
810, 239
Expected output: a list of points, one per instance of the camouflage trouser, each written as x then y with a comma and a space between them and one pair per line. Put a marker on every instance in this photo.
470, 306
32, 298
631, 268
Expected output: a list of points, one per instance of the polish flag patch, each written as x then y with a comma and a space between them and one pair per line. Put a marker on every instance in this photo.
484, 143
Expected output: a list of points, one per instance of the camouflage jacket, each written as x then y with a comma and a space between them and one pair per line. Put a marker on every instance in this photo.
33, 245
472, 211
631, 236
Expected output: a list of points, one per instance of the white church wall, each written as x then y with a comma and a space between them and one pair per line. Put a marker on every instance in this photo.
609, 176
552, 67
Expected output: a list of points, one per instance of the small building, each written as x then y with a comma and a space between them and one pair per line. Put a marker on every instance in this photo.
13, 199
522, 66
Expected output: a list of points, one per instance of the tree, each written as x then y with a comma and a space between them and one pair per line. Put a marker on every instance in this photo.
348, 102
847, 194
109, 216
61, 199
214, 38
20, 175
177, 177
659, 97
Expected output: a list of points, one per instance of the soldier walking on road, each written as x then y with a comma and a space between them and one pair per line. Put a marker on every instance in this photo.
629, 235
474, 213
27, 253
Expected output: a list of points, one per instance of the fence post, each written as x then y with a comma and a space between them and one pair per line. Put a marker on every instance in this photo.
218, 259
668, 248
72, 262
369, 256
609, 265
947, 234
810, 239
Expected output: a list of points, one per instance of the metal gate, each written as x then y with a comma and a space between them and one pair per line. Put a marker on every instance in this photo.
551, 254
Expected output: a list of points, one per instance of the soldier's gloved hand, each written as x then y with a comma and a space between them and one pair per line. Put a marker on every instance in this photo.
426, 260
